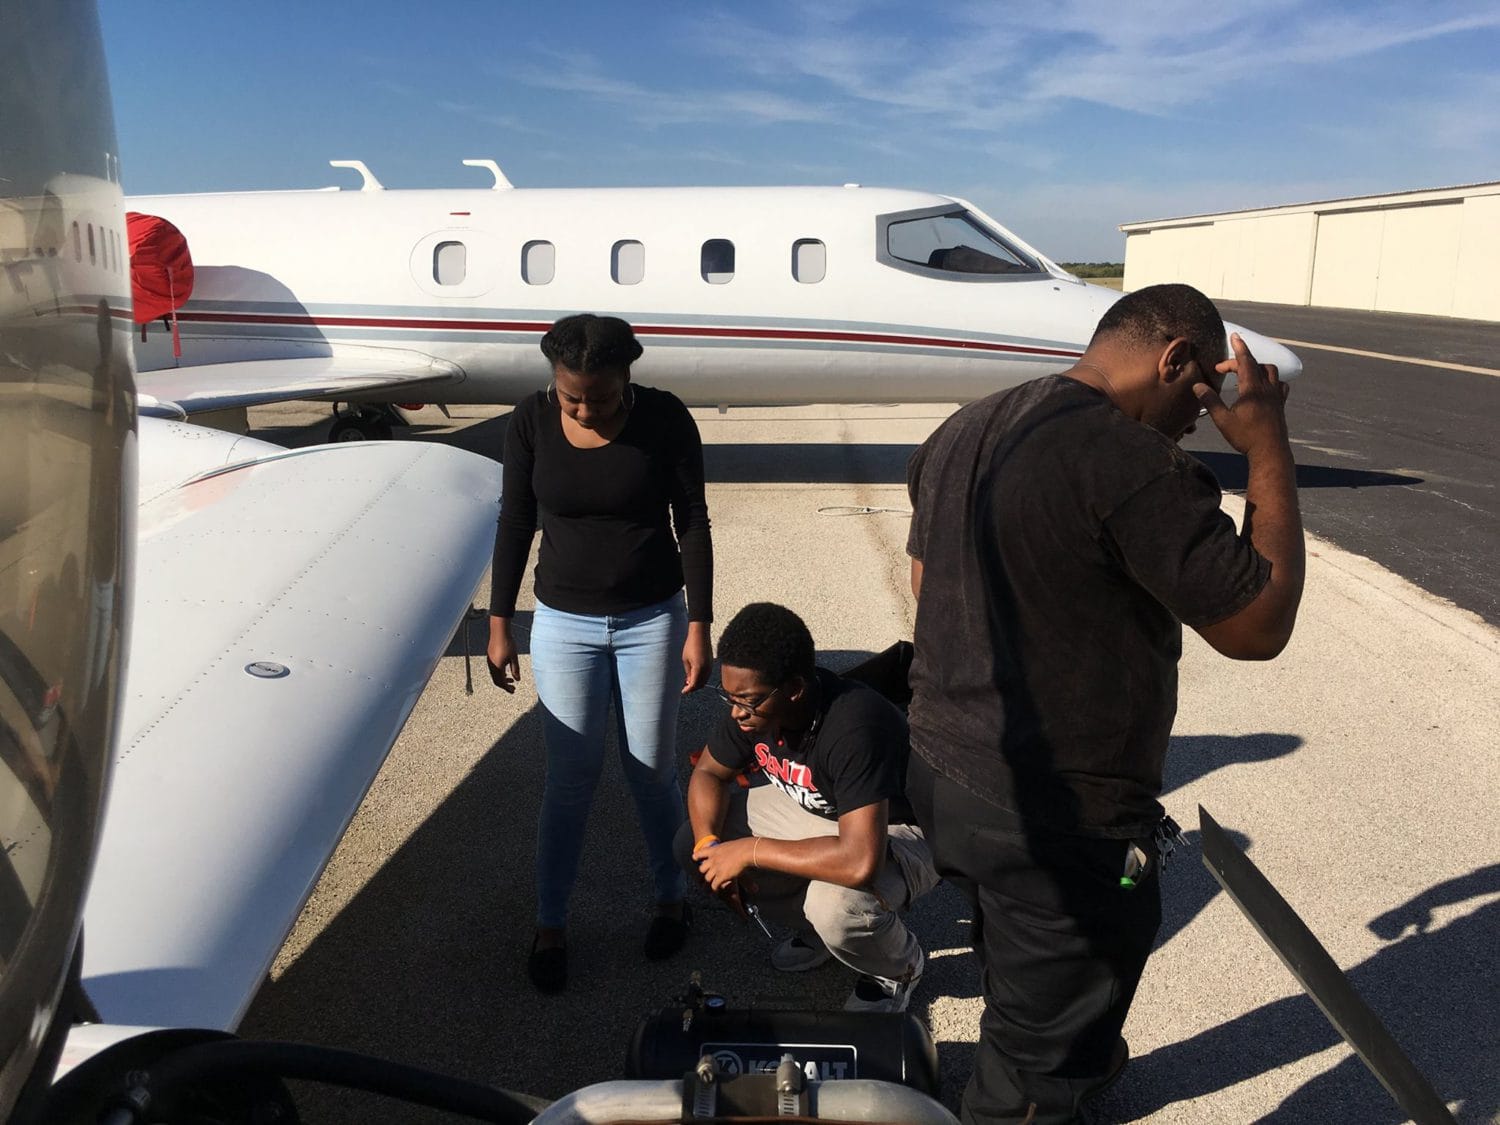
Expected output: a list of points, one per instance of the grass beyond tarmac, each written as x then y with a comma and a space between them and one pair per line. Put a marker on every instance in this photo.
1111, 275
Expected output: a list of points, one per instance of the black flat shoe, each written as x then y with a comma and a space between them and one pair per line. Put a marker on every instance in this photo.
548, 968
667, 934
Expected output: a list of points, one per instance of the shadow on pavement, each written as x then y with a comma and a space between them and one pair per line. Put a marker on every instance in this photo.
1232, 472
1434, 990
796, 463
486, 437
473, 635
789, 463
1194, 756
426, 963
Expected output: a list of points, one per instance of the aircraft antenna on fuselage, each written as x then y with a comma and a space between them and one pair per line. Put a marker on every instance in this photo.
370, 182
501, 183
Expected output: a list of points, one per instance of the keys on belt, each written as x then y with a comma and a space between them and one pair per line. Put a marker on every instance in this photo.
1163, 842
1166, 837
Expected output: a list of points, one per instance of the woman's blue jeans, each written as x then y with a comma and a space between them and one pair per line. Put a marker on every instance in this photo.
579, 664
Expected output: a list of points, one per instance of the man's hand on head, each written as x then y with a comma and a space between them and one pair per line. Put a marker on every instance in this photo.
1256, 423
1256, 426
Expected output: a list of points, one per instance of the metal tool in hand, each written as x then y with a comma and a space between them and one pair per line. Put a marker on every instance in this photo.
754, 912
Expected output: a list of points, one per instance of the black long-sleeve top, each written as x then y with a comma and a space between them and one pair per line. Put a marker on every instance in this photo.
608, 514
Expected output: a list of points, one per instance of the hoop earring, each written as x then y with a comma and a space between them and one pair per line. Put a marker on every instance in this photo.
628, 403
550, 394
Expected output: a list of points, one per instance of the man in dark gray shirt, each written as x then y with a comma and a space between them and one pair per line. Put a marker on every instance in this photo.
1059, 540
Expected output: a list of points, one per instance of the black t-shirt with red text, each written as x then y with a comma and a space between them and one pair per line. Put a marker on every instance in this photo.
853, 755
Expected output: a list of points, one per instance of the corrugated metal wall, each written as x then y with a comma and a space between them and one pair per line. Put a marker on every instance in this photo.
1435, 252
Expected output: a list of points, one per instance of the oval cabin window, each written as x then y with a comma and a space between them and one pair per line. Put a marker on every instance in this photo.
538, 262
450, 263
809, 260
717, 261
627, 262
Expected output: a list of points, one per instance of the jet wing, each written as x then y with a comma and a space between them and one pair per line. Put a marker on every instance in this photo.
180, 391
289, 609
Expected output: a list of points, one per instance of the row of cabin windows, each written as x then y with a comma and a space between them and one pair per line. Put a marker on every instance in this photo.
627, 262
103, 246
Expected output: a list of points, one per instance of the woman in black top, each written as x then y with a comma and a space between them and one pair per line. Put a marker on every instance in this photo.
609, 471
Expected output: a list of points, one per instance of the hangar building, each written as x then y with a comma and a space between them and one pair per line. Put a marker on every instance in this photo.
1435, 251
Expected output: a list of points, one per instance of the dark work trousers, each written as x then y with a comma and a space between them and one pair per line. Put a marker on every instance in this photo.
1061, 942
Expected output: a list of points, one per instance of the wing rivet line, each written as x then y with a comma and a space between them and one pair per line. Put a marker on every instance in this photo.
279, 599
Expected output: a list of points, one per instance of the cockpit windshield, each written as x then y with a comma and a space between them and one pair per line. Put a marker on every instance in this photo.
952, 243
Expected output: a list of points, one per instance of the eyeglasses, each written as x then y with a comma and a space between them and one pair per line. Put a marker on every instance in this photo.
735, 701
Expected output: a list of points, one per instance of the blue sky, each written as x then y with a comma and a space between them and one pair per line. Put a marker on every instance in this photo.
1061, 119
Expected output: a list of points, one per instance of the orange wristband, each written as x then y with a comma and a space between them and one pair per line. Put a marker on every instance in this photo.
705, 839
755, 847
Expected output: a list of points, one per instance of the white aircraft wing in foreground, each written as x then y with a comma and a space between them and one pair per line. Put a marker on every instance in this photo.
289, 608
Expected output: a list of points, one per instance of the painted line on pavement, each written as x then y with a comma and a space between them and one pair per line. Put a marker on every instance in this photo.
1392, 358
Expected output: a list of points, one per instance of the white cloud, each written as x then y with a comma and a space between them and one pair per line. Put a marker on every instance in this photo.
974, 85
989, 65
1461, 123
486, 117
1174, 55
391, 86
960, 76
656, 106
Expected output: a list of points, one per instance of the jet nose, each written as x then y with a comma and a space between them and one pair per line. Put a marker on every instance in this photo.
1265, 350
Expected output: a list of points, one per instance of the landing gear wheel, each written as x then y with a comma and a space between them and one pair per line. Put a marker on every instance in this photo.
359, 429
362, 422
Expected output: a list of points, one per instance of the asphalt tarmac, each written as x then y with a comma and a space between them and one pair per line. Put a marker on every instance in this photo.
1358, 769
1396, 460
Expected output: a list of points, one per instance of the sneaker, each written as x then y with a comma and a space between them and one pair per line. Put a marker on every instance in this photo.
881, 994
799, 953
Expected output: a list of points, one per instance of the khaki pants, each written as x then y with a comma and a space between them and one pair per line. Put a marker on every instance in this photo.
862, 928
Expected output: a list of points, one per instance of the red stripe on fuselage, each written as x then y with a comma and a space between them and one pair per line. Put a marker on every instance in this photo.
93, 310
707, 332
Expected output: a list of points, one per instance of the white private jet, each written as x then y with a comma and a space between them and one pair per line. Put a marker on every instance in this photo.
743, 296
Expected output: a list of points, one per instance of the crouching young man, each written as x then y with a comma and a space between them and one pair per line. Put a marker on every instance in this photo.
823, 840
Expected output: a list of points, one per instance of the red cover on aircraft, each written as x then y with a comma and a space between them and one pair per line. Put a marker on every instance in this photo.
161, 269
